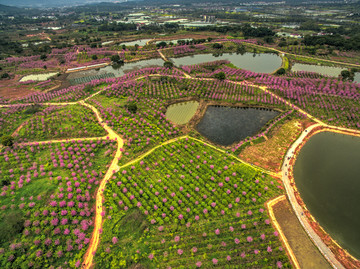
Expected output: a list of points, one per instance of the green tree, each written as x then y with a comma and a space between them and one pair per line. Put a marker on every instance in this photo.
280, 71
94, 57
218, 46
168, 64
5, 75
7, 140
161, 44
12, 225
115, 58
132, 107
220, 76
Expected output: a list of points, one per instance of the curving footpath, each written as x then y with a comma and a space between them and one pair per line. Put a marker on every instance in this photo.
88, 257
298, 209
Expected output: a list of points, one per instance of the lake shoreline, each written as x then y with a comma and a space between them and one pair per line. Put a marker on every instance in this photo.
331, 250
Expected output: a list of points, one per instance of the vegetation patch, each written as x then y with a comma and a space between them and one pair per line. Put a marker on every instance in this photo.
202, 209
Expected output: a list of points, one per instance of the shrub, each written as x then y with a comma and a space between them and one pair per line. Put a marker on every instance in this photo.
280, 71
220, 76
7, 140
218, 46
13, 224
132, 107
168, 64
33, 109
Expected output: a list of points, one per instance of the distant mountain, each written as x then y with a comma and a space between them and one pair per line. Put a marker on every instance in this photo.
51, 3
69, 3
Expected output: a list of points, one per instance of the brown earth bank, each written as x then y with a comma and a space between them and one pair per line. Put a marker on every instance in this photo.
347, 260
9, 89
270, 153
306, 253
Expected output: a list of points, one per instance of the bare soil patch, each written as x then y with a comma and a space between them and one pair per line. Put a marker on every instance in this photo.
269, 154
307, 254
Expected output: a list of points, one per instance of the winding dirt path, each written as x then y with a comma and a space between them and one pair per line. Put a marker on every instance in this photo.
112, 135
94, 242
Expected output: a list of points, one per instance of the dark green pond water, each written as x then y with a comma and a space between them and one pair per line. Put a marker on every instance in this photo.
327, 174
226, 125
119, 70
260, 63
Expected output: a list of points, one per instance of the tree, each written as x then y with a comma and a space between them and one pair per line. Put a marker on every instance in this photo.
161, 44
94, 57
282, 44
220, 76
347, 75
13, 224
280, 71
269, 39
168, 64
218, 46
116, 59
43, 57
7, 140
132, 107
241, 50
5, 75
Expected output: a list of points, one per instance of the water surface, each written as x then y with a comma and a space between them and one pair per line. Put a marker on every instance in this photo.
140, 42
226, 125
357, 77
323, 70
259, 63
119, 70
182, 113
327, 174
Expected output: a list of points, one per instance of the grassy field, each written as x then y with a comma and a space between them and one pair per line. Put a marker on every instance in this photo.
269, 154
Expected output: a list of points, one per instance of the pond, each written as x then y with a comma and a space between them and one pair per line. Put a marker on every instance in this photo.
140, 42
259, 63
226, 125
182, 113
174, 41
117, 71
38, 77
327, 175
357, 77
323, 70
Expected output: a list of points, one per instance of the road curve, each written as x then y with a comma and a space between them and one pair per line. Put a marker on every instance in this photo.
94, 242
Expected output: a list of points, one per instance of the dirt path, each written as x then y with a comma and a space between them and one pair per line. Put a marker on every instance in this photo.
306, 253
162, 56
326, 252
94, 242
88, 257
